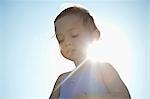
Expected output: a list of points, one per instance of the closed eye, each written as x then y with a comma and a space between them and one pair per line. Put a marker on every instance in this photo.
74, 36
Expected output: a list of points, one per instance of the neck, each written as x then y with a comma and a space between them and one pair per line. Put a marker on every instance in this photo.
82, 62
78, 62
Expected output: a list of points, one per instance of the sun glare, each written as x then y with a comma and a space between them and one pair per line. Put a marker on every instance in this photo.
94, 51
113, 48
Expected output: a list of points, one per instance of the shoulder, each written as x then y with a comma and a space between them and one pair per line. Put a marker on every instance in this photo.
56, 89
60, 80
111, 77
107, 71
63, 76
112, 80
105, 67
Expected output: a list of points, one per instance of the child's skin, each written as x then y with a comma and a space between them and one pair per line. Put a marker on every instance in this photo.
73, 37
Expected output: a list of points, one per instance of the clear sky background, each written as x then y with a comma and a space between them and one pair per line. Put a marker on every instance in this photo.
30, 60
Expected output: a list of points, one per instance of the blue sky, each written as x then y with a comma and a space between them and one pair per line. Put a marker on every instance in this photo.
30, 60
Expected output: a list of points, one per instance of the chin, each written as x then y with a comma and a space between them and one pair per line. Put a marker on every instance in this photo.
70, 58
73, 57
67, 57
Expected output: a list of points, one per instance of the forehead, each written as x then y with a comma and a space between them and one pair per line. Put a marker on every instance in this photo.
69, 23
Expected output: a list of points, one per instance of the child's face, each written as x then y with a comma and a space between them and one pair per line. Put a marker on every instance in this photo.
73, 37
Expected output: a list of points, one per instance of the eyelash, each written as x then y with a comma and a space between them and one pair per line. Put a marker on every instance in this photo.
73, 36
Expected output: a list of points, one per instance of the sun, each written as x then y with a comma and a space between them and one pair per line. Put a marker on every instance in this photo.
95, 51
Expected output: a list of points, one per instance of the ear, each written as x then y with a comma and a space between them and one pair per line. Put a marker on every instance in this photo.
96, 35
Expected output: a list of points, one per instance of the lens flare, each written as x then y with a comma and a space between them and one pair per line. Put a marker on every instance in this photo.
95, 51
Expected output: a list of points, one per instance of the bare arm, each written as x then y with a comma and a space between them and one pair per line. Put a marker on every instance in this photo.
114, 84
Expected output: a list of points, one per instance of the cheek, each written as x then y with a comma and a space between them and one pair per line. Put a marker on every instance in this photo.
63, 52
82, 43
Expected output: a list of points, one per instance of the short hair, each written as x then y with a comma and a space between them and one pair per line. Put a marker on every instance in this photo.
83, 13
